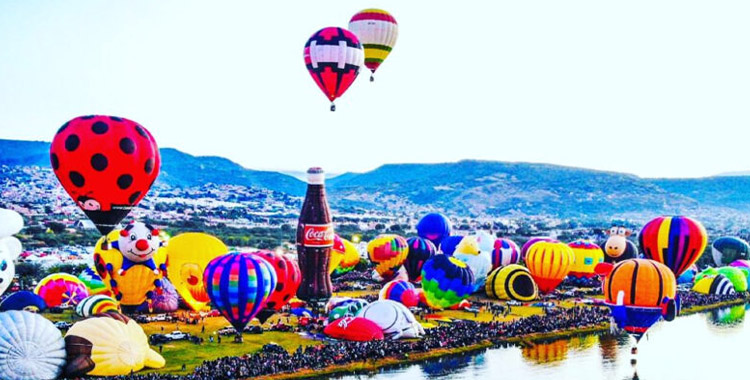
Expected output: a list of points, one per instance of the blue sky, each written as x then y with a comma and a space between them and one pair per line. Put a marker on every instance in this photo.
654, 88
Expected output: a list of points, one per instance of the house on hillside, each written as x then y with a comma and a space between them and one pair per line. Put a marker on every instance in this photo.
84, 224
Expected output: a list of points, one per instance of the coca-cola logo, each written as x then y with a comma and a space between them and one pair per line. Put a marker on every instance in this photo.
318, 235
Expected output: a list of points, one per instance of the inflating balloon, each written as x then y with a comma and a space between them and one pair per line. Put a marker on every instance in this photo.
505, 252
744, 265
434, 227
347, 308
511, 282
420, 250
166, 301
333, 57
377, 31
108, 344
288, 278
31, 347
96, 304
727, 249
677, 242
23, 300
189, 254
238, 285
532, 241
713, 284
338, 251
107, 164
549, 263
449, 243
735, 275
479, 262
356, 329
400, 291
587, 256
394, 319
93, 282
640, 292
388, 252
61, 289
446, 281
350, 259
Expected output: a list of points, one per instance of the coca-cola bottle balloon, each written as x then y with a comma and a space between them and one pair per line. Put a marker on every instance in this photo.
314, 241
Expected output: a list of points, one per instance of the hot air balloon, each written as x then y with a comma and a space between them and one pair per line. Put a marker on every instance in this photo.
388, 252
93, 282
511, 282
350, 259
400, 291
448, 244
61, 289
744, 265
377, 31
532, 241
727, 249
31, 347
677, 242
479, 262
394, 319
617, 247
288, 278
106, 164
505, 252
446, 281
549, 263
640, 292
346, 308
108, 344
420, 250
688, 276
11, 223
166, 301
434, 227
587, 256
356, 329
95, 305
735, 275
7, 270
239, 284
333, 57
23, 300
713, 284
189, 254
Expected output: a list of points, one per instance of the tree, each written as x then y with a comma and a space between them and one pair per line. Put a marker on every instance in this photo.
56, 227
27, 273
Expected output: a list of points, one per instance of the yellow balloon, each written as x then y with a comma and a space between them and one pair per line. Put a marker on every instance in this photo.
344, 256
189, 254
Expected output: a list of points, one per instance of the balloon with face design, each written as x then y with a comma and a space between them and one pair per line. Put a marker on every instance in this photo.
138, 243
617, 247
189, 254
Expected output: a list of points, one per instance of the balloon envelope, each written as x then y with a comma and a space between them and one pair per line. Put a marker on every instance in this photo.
189, 254
394, 319
11, 222
96, 304
93, 282
511, 282
23, 300
400, 291
388, 252
31, 347
449, 243
434, 227
505, 252
446, 281
61, 289
677, 242
727, 249
587, 256
355, 329
333, 57
549, 263
377, 31
420, 250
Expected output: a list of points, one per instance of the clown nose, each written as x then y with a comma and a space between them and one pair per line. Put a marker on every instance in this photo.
141, 245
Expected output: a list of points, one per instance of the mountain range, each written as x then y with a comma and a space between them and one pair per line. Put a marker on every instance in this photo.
469, 187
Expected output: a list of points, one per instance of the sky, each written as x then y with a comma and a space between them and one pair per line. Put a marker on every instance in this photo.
653, 88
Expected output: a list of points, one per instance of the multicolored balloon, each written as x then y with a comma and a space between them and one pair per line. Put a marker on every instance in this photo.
388, 252
400, 291
640, 292
166, 301
31, 347
446, 281
505, 252
189, 254
727, 249
675, 241
713, 284
532, 241
96, 304
394, 319
61, 289
434, 227
549, 263
350, 259
239, 285
333, 57
735, 275
93, 282
347, 308
449, 243
511, 282
107, 164
378, 31
23, 300
587, 256
420, 250
288, 279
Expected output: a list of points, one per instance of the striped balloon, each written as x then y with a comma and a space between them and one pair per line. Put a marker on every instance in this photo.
505, 252
96, 304
675, 241
388, 252
718, 284
400, 291
239, 285
333, 57
420, 250
93, 282
549, 263
378, 31
511, 282
587, 256
61, 289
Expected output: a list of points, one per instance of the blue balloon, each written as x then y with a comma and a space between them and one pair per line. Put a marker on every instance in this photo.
434, 227
23, 300
448, 246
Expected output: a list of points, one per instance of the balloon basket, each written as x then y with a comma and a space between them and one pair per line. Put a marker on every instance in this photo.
333, 107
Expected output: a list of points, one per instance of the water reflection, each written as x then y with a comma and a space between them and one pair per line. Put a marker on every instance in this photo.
729, 316
548, 352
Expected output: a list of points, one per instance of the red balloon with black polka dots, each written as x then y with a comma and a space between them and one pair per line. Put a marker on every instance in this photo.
107, 164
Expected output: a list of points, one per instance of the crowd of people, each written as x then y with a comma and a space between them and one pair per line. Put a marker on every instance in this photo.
689, 299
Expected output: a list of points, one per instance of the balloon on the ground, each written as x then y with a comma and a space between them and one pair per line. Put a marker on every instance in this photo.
189, 254
96, 304
737, 276
61, 289
166, 301
485, 241
107, 164
388, 252
688, 276
434, 227
31, 347
511, 282
108, 344
532, 241
377, 31
446, 281
744, 265
338, 251
7, 270
675, 241
640, 292
356, 329
727, 249
350, 259
23, 300
11, 222
238, 285
394, 319
420, 250
333, 57
449, 244
479, 262
93, 282
505, 252
587, 256
288, 279
713, 284
400, 291
346, 308
549, 263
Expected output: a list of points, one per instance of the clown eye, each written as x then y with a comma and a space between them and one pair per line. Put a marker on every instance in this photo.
132, 237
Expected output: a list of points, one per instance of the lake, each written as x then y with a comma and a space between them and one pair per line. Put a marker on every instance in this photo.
698, 346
